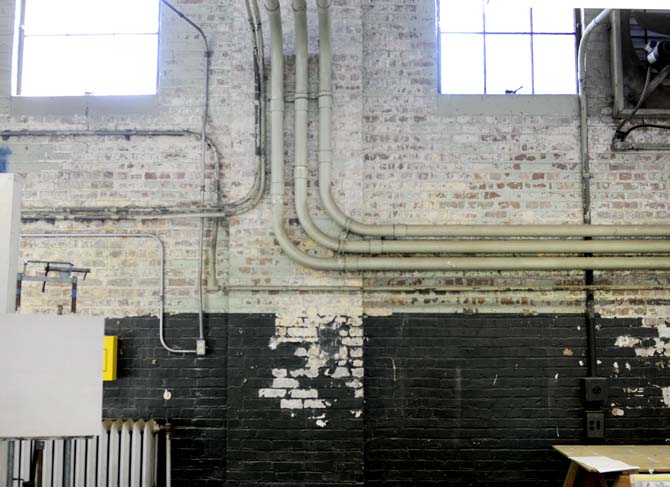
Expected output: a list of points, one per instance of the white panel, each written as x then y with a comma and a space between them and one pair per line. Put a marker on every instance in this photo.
10, 220
51, 378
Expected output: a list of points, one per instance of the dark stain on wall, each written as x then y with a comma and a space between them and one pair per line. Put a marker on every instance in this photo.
4, 158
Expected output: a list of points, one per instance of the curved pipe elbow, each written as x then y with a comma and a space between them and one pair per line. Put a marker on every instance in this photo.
271, 5
299, 5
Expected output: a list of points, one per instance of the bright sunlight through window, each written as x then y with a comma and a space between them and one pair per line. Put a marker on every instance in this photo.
492, 47
86, 47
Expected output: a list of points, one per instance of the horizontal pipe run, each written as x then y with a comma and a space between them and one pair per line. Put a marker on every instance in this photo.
439, 289
325, 155
380, 246
453, 231
411, 264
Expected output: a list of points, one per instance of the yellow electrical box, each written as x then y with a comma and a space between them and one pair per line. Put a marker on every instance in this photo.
109, 358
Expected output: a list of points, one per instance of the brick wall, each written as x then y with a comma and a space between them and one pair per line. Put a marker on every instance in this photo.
224, 429
479, 400
450, 399
398, 158
199, 404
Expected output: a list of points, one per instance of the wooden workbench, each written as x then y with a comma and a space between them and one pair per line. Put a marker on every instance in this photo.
648, 458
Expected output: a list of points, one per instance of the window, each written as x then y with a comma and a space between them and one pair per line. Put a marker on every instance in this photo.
496, 47
86, 47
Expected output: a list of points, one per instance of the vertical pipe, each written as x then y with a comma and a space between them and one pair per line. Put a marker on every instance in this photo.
203, 162
67, 465
587, 31
168, 455
161, 257
20, 47
583, 108
73, 297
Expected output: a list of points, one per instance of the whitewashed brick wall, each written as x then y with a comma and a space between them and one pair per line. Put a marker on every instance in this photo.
396, 160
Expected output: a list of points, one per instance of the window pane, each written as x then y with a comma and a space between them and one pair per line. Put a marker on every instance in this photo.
501, 17
462, 63
553, 19
95, 65
555, 64
48, 17
461, 16
508, 64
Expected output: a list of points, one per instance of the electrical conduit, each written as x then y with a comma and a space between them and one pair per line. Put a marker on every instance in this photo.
380, 246
357, 263
161, 256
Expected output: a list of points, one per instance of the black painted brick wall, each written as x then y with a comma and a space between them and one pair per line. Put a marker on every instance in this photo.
635, 390
198, 385
223, 431
269, 446
450, 400
470, 400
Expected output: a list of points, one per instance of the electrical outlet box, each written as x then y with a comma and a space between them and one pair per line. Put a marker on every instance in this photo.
110, 352
595, 424
595, 390
200, 347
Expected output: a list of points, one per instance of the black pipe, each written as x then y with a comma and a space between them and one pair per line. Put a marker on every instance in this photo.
591, 352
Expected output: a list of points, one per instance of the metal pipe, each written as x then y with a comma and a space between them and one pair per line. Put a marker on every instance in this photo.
168, 455
457, 231
356, 263
437, 289
259, 100
404, 230
161, 254
583, 119
379, 246
586, 180
203, 164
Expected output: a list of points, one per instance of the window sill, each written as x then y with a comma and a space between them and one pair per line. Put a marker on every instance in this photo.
455, 105
92, 106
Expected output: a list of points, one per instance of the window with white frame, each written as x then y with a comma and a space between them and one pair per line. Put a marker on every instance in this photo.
86, 47
496, 47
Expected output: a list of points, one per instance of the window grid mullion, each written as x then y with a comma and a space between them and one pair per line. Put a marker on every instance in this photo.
486, 35
532, 54
20, 47
484, 40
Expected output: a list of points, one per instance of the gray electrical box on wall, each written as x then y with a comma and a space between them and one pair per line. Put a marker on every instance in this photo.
595, 424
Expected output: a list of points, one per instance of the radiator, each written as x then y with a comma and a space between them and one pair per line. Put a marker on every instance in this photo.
124, 455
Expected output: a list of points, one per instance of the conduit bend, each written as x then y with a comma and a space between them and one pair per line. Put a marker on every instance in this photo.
583, 120
161, 257
379, 246
404, 230
357, 263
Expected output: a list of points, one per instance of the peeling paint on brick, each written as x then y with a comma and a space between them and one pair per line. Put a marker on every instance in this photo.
331, 347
